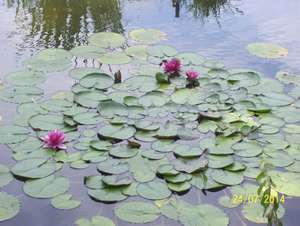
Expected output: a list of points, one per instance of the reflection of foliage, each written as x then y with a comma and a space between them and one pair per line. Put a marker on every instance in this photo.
66, 23
204, 8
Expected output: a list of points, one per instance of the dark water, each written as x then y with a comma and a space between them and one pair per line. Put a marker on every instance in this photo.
217, 29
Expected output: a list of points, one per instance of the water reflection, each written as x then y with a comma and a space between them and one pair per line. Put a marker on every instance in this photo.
66, 23
201, 9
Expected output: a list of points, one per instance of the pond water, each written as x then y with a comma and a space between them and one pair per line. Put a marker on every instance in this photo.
219, 30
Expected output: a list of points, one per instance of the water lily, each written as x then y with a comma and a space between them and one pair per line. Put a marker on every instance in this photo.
172, 65
191, 75
55, 139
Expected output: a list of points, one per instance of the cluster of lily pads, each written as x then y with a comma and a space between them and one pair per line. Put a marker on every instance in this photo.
151, 135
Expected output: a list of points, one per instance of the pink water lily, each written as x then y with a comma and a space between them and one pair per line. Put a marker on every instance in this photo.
191, 75
172, 65
55, 139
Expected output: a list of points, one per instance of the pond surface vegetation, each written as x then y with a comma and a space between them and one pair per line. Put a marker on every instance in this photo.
168, 149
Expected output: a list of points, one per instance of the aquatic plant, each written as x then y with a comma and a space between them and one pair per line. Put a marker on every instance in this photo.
55, 139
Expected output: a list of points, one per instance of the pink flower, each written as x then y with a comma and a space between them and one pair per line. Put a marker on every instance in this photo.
55, 139
191, 75
172, 65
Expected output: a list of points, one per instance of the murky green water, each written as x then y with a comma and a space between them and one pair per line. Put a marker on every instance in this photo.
218, 30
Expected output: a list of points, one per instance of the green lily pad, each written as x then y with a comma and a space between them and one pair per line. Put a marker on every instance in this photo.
179, 187
13, 134
9, 207
46, 187
97, 220
107, 39
25, 78
137, 52
63, 202
147, 35
164, 145
130, 189
202, 214
62, 156
227, 202
97, 80
116, 131
95, 182
151, 154
33, 168
124, 151
49, 60
227, 177
5, 176
247, 149
219, 161
288, 78
161, 50
244, 79
153, 98
187, 151
113, 166
190, 58
79, 164
79, 73
88, 118
56, 105
190, 165
111, 194
190, 96
153, 190
114, 58
109, 109
89, 99
115, 181
21, 94
254, 212
267, 50
46, 122
137, 212
88, 51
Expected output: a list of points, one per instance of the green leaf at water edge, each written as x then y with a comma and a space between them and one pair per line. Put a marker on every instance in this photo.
202, 215
63, 202
97, 80
266, 50
247, 149
147, 35
190, 58
187, 151
46, 122
190, 96
79, 73
33, 168
25, 78
108, 194
62, 156
56, 105
88, 118
97, 220
179, 187
115, 181
88, 51
219, 161
89, 99
109, 109
153, 190
114, 58
113, 166
20, 94
9, 206
227, 177
190, 165
94, 182
46, 187
107, 39
137, 212
228, 203
13, 134
5, 176
150, 154
123, 151
116, 131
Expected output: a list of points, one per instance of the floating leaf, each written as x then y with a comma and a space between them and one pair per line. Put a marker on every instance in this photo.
288, 78
9, 207
63, 202
13, 134
79, 73
147, 35
228, 203
107, 39
151, 71
116, 131
89, 99
20, 94
124, 151
190, 96
33, 168
5, 176
114, 58
190, 58
88, 118
137, 51
201, 215
113, 166
111, 194
46, 187
266, 50
109, 109
46, 122
97, 80
190, 165
88, 51
97, 220
25, 78
161, 50
227, 177
153, 190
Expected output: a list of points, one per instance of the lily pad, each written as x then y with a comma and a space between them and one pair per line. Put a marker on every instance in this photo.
190, 96
202, 215
267, 50
88, 51
21, 94
63, 202
110, 194
5, 176
9, 207
190, 58
137, 52
116, 131
147, 35
227, 177
25, 78
137, 212
153, 190
107, 39
114, 58
46, 187
46, 122
89, 99
113, 166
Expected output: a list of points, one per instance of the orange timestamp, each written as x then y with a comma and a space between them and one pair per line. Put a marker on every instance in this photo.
254, 198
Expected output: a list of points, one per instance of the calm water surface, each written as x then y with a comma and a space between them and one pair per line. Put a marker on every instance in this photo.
217, 29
